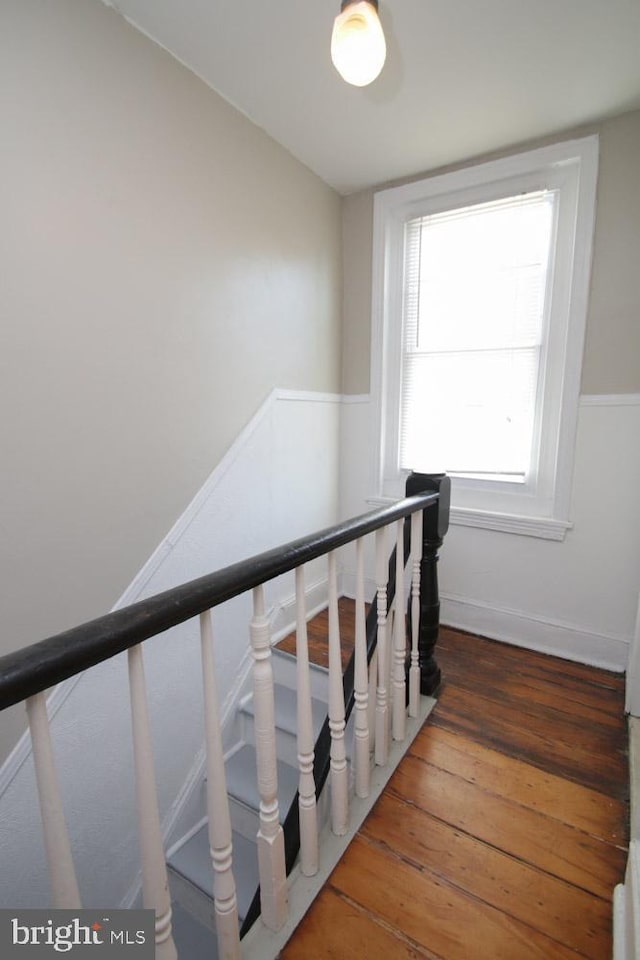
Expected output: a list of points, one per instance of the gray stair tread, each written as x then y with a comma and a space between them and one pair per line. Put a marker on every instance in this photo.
242, 785
286, 708
192, 939
193, 862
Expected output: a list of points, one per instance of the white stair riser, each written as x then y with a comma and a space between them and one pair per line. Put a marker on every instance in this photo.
244, 820
286, 742
284, 673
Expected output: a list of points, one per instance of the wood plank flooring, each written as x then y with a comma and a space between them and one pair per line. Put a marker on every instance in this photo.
503, 831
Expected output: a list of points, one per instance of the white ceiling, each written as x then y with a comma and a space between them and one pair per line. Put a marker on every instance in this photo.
462, 77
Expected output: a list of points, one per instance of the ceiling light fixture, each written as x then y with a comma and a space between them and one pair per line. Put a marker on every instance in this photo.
358, 48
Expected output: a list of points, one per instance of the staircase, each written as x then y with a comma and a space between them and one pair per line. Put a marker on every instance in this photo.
294, 702
189, 860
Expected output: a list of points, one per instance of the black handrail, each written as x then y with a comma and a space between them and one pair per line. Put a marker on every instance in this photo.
42, 665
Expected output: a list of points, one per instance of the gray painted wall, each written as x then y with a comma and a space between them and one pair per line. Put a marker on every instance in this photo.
165, 264
611, 363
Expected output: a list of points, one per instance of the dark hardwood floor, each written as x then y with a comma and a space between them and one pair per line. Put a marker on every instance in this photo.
503, 831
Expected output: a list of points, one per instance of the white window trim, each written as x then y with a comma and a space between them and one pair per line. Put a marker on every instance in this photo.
543, 512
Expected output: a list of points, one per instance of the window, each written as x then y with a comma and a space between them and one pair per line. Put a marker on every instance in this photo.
480, 293
472, 332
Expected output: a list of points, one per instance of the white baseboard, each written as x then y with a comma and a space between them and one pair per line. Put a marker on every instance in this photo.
632, 693
521, 629
565, 640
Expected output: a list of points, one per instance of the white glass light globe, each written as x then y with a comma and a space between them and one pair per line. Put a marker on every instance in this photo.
358, 48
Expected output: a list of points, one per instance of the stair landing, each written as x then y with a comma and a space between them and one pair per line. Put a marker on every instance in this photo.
318, 631
504, 830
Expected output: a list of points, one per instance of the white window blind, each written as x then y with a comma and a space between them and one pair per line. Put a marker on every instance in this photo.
474, 325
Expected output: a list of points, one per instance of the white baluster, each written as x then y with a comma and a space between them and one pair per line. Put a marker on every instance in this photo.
373, 686
220, 845
155, 886
400, 642
270, 839
361, 683
391, 620
416, 556
62, 877
382, 708
306, 783
339, 772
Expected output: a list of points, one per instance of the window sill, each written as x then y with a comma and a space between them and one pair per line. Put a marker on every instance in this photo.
544, 528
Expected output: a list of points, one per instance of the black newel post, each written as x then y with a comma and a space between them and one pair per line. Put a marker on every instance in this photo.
435, 526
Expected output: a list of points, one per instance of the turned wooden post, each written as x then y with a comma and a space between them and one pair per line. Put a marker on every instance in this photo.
270, 839
339, 769
362, 736
155, 882
414, 612
382, 706
307, 812
434, 527
399, 681
220, 835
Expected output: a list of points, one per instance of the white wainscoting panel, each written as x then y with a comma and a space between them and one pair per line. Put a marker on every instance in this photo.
576, 598
278, 482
